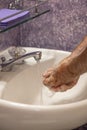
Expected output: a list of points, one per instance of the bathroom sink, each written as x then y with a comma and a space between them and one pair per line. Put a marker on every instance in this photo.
26, 104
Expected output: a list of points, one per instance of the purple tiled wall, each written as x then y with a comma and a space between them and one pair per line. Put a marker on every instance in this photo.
62, 28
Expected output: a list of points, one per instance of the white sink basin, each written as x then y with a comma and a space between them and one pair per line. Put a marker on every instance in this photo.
26, 104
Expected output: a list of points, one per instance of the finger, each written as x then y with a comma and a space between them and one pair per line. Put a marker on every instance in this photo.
48, 72
55, 89
49, 81
64, 87
61, 88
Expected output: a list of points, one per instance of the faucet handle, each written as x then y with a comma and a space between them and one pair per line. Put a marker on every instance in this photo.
16, 52
14, 5
2, 59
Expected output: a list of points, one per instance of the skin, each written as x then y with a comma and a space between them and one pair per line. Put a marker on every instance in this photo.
67, 73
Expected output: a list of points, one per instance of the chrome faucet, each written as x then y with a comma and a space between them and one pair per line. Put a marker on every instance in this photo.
6, 65
14, 5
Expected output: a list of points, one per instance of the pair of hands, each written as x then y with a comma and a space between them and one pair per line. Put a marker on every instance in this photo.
61, 78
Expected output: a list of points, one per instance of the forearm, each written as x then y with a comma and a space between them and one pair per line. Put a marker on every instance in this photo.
78, 58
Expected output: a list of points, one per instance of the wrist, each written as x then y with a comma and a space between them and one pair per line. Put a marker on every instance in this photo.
73, 67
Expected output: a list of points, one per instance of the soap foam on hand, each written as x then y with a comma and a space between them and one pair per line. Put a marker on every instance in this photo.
11, 20
77, 93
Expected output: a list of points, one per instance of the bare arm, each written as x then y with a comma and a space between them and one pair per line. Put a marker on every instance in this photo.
67, 73
78, 63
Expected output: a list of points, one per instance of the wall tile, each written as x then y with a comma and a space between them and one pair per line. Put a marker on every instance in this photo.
62, 28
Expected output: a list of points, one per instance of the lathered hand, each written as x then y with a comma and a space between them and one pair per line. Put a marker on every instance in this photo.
67, 73
60, 78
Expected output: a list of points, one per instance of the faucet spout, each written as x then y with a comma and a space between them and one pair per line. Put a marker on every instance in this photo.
36, 55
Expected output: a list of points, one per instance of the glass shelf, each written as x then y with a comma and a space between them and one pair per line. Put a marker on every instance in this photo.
37, 10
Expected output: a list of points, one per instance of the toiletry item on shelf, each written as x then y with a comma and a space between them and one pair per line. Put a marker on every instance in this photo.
9, 17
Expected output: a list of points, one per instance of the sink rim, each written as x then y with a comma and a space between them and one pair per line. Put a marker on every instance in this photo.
19, 106
15, 105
